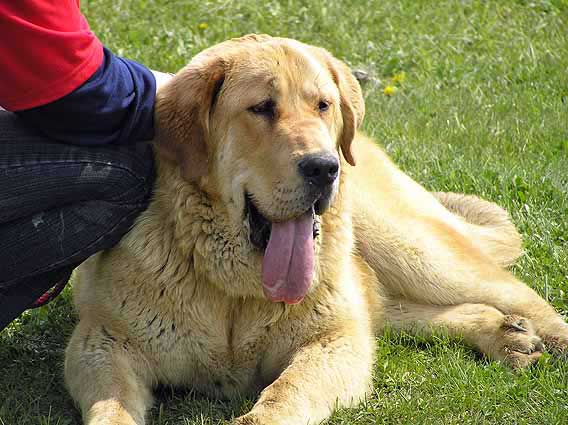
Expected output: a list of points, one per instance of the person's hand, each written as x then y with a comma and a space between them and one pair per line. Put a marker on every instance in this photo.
161, 78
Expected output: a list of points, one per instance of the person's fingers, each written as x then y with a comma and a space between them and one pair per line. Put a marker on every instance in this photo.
161, 78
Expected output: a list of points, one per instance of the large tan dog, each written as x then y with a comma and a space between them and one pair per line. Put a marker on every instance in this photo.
267, 262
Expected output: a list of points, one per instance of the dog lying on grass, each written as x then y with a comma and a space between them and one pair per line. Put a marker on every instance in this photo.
268, 262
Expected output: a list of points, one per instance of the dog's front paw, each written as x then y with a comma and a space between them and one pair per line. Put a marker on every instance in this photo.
263, 417
248, 419
517, 344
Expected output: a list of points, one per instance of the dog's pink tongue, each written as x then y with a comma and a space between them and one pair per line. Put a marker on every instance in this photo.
288, 264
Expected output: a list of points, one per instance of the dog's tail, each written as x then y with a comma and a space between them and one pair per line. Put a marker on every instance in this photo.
491, 227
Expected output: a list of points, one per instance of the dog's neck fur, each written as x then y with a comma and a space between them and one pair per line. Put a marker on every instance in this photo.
233, 264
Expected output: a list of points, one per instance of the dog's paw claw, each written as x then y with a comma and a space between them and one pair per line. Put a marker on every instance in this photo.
516, 323
520, 346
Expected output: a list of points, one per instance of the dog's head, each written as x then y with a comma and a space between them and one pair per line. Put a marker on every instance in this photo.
264, 126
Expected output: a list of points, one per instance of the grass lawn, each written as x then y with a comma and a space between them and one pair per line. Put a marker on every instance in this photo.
482, 108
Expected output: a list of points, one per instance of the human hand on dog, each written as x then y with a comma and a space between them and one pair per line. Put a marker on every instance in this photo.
161, 78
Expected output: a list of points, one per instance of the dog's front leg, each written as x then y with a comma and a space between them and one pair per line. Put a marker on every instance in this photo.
330, 372
105, 377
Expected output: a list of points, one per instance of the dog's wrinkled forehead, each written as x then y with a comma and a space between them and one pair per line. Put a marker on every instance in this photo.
279, 70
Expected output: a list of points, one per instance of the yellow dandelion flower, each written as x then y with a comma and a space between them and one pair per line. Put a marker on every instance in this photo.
389, 90
399, 77
203, 25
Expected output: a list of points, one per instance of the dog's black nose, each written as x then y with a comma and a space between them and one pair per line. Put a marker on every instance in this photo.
319, 170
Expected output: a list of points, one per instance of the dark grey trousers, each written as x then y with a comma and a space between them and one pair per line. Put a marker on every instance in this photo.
60, 204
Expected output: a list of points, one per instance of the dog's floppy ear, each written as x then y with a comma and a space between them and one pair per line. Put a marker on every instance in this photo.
183, 107
352, 104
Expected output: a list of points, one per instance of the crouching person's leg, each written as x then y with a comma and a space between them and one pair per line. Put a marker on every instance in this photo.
60, 204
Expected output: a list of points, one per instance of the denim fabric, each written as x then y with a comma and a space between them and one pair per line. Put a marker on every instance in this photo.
60, 204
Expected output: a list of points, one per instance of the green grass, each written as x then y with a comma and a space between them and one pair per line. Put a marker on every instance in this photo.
483, 109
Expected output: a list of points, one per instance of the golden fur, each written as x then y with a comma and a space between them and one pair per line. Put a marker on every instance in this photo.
179, 300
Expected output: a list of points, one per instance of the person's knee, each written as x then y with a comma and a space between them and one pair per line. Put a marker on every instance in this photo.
128, 179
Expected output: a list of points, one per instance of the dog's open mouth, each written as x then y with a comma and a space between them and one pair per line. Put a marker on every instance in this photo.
288, 247
260, 227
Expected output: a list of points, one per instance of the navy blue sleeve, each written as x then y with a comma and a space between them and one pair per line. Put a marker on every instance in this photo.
114, 106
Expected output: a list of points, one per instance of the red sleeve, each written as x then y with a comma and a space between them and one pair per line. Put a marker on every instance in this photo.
46, 51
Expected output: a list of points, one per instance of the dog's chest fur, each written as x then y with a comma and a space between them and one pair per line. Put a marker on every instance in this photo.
215, 344
195, 337
165, 294
160, 289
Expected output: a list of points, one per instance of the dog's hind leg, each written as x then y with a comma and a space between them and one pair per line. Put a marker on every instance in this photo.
424, 253
489, 226
105, 378
428, 262
509, 338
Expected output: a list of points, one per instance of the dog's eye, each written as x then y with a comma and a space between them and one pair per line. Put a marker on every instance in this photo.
323, 106
266, 108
